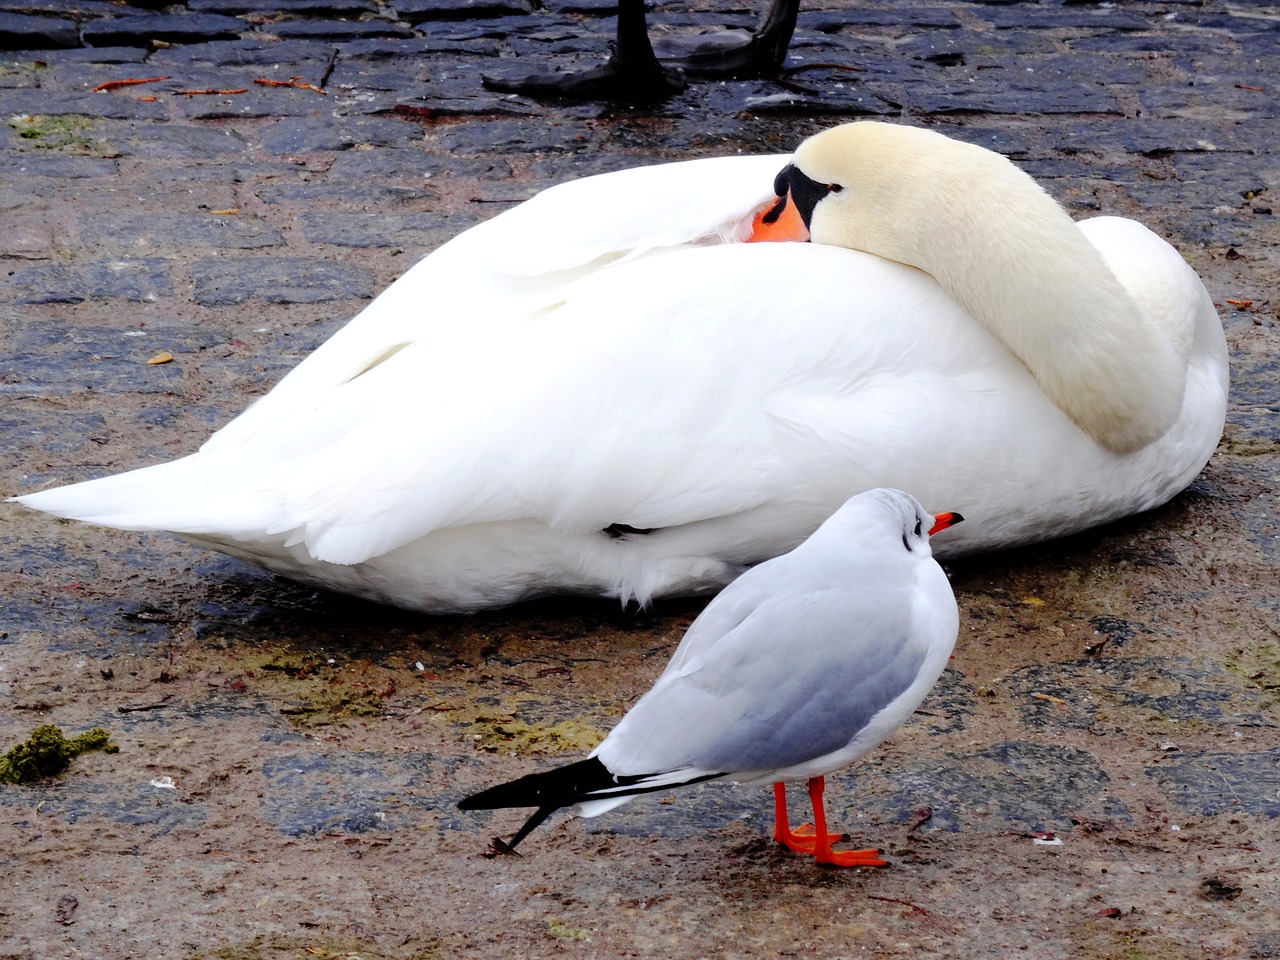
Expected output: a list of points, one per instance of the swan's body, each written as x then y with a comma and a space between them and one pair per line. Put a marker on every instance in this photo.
603, 392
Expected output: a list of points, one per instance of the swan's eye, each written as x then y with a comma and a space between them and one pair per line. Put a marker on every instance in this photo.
918, 528
804, 191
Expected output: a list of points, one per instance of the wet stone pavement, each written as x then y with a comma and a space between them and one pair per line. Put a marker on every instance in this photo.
1096, 776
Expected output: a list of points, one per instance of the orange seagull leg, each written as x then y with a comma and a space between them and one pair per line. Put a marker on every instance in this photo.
802, 839
822, 851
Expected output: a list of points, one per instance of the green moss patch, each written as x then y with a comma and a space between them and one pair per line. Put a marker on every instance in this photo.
276, 946
24, 69
47, 752
1259, 666
62, 133
312, 691
560, 930
508, 735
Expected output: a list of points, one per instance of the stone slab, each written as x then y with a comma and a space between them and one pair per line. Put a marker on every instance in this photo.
134, 234
138, 279
141, 30
415, 11
22, 32
225, 281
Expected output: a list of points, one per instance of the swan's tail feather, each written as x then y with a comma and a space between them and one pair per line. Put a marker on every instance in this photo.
175, 497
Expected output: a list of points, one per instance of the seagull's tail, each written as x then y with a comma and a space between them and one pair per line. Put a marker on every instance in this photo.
548, 791
587, 782
561, 787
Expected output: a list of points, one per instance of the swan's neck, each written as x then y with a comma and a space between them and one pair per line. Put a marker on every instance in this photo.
1006, 252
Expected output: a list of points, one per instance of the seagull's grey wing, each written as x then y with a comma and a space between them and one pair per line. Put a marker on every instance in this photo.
795, 680
738, 601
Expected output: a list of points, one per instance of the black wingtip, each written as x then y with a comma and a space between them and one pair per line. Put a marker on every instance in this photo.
561, 787
548, 791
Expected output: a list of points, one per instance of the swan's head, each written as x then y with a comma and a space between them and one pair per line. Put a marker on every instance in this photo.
888, 189
1007, 253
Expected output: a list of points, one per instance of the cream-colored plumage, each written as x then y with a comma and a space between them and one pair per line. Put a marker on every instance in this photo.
604, 391
1111, 366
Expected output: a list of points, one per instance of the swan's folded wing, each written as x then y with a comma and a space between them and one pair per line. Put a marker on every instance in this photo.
633, 211
491, 274
681, 386
600, 408
685, 385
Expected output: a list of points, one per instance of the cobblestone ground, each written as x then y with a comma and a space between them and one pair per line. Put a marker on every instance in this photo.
1098, 774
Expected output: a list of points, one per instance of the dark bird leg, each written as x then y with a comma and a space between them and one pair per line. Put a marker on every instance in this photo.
633, 73
539, 817
761, 56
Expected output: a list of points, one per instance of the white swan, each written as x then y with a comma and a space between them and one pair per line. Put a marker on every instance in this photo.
603, 391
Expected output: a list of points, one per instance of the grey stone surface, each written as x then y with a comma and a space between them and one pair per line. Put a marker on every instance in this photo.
302, 135
1088, 693
416, 11
76, 10
331, 8
139, 233
853, 17
311, 792
413, 231
226, 281
391, 163
1105, 688
58, 103
255, 51
1257, 396
591, 7
197, 144
255, 102
108, 360
22, 32
138, 279
1019, 784
100, 55
139, 31
1044, 17
338, 29
357, 195
1210, 784
156, 809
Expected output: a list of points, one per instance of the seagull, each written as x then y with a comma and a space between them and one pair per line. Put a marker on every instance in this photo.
634, 73
797, 668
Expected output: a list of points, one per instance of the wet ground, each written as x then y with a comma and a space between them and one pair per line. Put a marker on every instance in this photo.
1098, 773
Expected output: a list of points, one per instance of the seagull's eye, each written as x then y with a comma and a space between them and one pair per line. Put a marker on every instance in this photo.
918, 528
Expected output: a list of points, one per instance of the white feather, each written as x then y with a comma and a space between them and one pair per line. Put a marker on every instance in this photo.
802, 664
608, 354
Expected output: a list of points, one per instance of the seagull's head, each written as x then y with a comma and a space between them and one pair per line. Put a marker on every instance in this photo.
891, 514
